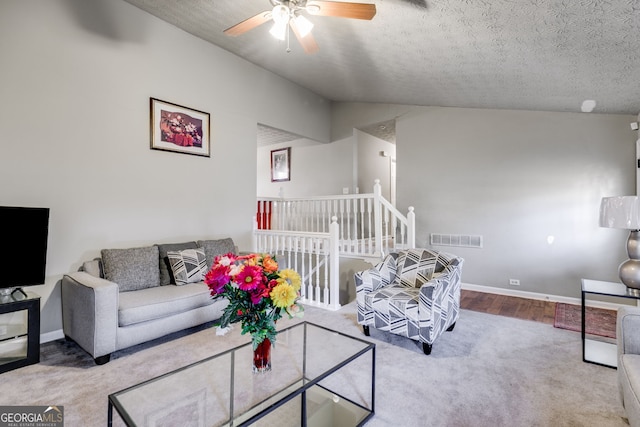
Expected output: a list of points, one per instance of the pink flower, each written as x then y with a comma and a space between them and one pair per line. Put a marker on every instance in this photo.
249, 278
216, 278
261, 291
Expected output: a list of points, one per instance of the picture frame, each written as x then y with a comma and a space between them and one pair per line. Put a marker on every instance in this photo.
179, 129
281, 164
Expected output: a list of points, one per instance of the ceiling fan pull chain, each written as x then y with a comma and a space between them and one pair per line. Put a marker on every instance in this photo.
288, 38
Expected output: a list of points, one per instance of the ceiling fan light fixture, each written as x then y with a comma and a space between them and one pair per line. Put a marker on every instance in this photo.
313, 8
304, 25
279, 30
280, 14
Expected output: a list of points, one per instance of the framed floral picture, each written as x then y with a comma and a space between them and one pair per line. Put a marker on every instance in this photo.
281, 164
179, 129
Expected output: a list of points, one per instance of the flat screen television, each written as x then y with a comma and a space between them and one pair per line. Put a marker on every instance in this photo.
23, 247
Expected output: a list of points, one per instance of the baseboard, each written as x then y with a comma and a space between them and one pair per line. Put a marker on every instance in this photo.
51, 336
542, 297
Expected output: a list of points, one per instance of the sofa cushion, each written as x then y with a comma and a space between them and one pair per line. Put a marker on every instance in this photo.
394, 302
213, 248
187, 266
166, 275
162, 301
132, 269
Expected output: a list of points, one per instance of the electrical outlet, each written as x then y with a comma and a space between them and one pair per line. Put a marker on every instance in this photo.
514, 282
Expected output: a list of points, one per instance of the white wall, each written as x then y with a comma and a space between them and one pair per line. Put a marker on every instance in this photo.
514, 177
75, 80
372, 165
316, 169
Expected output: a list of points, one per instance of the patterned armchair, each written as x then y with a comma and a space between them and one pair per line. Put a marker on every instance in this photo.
414, 293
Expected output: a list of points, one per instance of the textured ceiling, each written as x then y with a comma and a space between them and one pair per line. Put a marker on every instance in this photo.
384, 130
269, 136
513, 54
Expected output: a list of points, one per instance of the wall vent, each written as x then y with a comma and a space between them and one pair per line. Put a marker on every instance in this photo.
462, 240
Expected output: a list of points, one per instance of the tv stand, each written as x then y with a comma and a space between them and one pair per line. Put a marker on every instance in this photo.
5, 292
19, 330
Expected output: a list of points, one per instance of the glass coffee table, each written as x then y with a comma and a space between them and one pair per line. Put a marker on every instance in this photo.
319, 377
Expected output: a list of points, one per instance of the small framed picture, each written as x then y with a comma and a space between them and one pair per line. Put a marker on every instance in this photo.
179, 129
281, 164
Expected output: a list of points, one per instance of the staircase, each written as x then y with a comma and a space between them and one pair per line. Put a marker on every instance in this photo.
311, 234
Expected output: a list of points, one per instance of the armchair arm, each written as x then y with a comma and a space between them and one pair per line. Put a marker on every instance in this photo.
90, 312
628, 330
381, 274
439, 303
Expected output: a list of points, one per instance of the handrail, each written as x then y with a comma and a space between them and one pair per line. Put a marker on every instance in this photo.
332, 197
369, 224
318, 230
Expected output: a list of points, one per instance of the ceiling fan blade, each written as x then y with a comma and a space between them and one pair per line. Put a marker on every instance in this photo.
248, 24
308, 42
341, 9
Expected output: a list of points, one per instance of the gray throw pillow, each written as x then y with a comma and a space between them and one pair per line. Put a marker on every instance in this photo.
166, 275
188, 266
132, 269
213, 248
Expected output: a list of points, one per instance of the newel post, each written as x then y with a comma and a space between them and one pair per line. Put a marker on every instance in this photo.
254, 235
377, 217
411, 228
334, 264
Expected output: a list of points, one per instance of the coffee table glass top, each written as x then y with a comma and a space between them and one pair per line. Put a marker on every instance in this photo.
319, 375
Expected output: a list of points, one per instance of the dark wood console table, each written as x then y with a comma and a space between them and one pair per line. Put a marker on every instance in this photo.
19, 330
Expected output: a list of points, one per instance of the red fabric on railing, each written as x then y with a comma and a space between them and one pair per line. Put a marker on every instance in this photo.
263, 215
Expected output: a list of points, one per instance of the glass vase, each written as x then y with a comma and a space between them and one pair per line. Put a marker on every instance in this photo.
262, 357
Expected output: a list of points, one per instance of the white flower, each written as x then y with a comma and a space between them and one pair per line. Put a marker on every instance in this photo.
222, 331
235, 270
225, 261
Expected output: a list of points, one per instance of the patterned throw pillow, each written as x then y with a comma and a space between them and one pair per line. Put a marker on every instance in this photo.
188, 266
166, 276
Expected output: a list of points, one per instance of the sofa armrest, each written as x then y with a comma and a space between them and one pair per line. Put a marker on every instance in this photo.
628, 330
90, 312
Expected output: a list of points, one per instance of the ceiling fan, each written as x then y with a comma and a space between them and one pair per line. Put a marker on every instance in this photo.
287, 14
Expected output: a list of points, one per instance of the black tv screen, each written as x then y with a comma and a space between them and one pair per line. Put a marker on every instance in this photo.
23, 246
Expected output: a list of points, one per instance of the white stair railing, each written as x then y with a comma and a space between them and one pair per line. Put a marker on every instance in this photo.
315, 256
311, 234
369, 225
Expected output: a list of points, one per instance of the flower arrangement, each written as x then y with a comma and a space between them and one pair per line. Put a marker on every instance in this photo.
257, 291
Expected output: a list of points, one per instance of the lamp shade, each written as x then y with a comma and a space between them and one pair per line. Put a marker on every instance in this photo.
620, 212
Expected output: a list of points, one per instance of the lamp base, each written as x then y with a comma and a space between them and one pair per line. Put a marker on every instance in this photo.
630, 273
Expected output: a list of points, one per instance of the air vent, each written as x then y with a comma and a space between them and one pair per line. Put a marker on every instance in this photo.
461, 240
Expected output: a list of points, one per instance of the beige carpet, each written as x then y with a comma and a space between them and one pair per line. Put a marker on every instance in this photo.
490, 371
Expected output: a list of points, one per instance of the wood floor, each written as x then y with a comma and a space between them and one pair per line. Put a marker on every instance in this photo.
521, 308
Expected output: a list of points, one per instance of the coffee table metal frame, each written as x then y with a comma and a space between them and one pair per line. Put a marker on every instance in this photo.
307, 383
601, 351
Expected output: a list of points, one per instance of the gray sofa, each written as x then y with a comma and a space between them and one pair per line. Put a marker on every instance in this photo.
130, 296
628, 337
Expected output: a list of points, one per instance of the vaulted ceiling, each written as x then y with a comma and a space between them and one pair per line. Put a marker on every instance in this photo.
513, 54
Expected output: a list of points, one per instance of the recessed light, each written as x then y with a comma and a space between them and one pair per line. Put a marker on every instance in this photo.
588, 105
